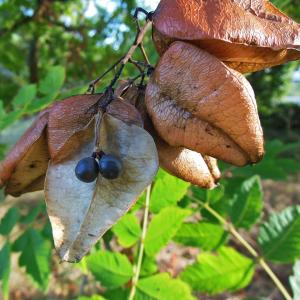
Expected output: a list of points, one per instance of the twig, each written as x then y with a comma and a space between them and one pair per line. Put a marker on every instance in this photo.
127, 57
142, 246
260, 260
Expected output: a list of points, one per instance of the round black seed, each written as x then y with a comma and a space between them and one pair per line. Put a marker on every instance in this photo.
87, 170
110, 167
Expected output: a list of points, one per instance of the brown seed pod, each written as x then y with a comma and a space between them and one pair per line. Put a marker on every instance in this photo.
24, 168
188, 165
98, 205
197, 102
247, 35
178, 161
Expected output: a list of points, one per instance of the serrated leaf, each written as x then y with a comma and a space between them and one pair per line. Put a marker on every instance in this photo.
9, 220
163, 287
5, 270
53, 80
295, 280
167, 190
127, 230
207, 236
163, 227
25, 95
35, 256
279, 238
110, 268
247, 203
213, 274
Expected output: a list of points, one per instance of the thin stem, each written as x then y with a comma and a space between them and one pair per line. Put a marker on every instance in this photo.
231, 229
136, 276
94, 82
138, 40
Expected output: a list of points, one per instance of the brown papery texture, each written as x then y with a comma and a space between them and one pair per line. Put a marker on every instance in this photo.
197, 102
188, 165
247, 35
183, 163
26, 164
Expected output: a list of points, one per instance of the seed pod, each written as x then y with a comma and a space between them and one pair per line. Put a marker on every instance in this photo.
197, 102
96, 206
247, 35
178, 161
24, 168
188, 165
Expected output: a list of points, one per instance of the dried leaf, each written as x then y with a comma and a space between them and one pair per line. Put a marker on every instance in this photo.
27, 162
197, 102
81, 213
247, 35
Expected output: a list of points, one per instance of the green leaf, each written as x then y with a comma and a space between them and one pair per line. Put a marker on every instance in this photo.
41, 103
163, 287
279, 238
127, 230
209, 196
295, 280
110, 268
247, 203
94, 297
10, 118
9, 221
53, 81
32, 215
213, 274
167, 190
149, 266
35, 256
5, 270
205, 235
25, 95
117, 294
163, 227
273, 166
2, 195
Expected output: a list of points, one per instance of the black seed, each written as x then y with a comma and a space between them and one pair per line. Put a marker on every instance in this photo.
110, 167
87, 170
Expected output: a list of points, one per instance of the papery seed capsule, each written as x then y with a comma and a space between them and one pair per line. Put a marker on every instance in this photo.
87, 169
110, 167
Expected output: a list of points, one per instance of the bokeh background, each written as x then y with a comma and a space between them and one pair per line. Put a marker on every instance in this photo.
59, 46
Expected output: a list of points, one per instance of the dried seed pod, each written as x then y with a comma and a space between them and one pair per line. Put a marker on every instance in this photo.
81, 213
24, 168
188, 165
197, 102
180, 162
247, 35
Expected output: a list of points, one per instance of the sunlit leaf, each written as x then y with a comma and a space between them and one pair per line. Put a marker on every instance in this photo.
214, 274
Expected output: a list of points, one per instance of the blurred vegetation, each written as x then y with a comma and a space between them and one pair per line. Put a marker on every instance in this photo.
50, 49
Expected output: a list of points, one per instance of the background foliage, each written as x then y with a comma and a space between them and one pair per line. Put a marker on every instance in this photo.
52, 49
